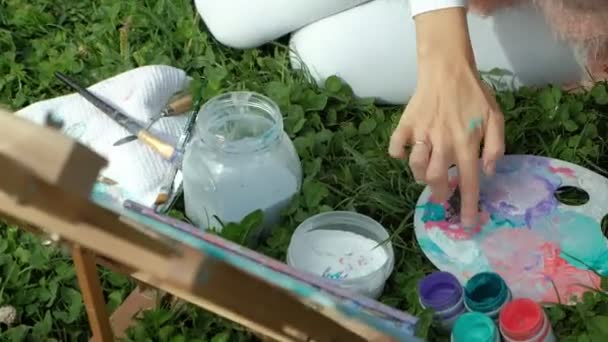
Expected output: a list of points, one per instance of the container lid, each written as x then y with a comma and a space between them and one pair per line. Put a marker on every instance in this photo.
474, 327
485, 292
521, 319
439, 291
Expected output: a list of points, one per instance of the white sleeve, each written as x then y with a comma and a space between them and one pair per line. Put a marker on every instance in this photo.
421, 6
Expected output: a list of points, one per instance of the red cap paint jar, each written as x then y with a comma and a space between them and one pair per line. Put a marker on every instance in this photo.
442, 292
524, 320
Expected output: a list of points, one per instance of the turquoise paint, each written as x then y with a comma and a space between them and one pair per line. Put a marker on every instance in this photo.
601, 264
485, 292
474, 327
581, 241
475, 123
497, 221
432, 212
428, 245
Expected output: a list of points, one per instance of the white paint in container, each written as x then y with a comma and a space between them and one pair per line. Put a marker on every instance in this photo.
345, 247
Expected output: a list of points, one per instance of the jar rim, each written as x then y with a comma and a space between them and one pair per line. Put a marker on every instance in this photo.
228, 108
354, 219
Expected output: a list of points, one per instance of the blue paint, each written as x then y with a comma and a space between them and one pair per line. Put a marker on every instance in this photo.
497, 221
340, 275
111, 195
428, 245
601, 264
581, 240
475, 123
433, 212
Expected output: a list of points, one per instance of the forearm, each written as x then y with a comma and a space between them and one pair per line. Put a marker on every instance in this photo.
442, 34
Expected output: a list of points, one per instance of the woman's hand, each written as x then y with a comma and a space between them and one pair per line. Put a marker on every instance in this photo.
450, 113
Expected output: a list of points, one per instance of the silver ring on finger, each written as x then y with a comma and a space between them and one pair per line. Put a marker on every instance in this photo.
422, 143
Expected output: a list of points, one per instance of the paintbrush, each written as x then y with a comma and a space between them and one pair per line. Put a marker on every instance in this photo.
176, 107
166, 150
167, 185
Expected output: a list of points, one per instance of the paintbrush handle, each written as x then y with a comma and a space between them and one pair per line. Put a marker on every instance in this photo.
112, 112
166, 150
179, 106
167, 187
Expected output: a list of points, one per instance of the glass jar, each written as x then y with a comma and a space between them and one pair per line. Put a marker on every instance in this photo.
239, 160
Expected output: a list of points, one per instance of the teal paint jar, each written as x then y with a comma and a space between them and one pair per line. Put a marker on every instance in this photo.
486, 293
474, 327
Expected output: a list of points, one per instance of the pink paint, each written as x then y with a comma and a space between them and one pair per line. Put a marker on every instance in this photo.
455, 230
451, 226
533, 267
566, 171
569, 281
129, 94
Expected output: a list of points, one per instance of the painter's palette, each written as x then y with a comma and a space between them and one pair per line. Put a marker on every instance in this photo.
543, 248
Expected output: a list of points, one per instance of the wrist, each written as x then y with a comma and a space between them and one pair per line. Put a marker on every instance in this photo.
442, 37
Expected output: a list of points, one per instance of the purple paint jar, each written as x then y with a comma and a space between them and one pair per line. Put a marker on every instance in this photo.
442, 292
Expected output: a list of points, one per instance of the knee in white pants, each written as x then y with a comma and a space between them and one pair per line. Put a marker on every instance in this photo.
372, 47
246, 24
359, 46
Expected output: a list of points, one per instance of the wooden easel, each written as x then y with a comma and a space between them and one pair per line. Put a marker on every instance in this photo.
45, 185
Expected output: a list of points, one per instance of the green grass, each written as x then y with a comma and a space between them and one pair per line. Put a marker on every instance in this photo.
342, 142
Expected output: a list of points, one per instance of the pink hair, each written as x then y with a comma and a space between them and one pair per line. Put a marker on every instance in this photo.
581, 22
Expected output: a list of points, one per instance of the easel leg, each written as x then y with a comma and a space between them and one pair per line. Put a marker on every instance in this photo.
139, 300
86, 270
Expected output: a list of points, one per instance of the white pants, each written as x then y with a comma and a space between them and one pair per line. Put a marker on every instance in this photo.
372, 46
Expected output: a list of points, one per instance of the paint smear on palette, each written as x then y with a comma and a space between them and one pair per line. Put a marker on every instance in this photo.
544, 249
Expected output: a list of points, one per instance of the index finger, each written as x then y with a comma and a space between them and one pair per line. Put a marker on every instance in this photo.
467, 160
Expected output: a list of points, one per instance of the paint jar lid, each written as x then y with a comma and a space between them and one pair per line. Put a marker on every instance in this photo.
439, 291
474, 327
521, 319
485, 292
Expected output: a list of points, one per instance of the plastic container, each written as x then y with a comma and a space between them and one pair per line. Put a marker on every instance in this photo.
486, 293
239, 160
524, 320
474, 327
442, 292
347, 248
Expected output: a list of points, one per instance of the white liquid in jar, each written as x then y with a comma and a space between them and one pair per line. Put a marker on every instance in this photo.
232, 185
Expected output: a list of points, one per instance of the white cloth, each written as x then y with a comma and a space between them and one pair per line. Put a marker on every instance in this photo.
422, 6
141, 94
